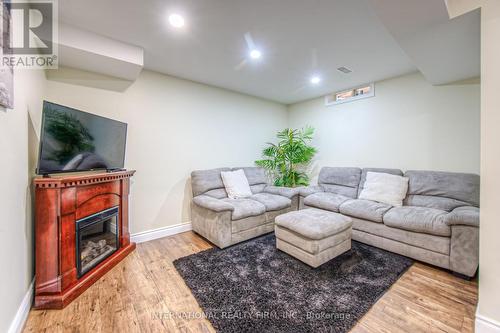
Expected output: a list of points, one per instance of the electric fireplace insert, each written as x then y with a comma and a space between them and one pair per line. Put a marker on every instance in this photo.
96, 239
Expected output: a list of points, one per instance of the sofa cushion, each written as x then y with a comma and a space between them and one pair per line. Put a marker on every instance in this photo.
212, 203
435, 202
311, 189
340, 180
325, 200
419, 219
218, 193
206, 180
288, 192
245, 208
272, 201
365, 209
442, 190
314, 223
255, 175
434, 243
257, 188
362, 180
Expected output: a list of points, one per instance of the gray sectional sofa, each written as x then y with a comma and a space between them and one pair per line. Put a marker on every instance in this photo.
224, 221
438, 222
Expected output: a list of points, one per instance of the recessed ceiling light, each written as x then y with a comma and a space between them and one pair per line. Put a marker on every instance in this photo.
255, 54
315, 79
176, 20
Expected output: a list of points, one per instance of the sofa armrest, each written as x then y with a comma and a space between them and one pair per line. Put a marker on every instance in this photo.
288, 192
308, 190
213, 204
467, 215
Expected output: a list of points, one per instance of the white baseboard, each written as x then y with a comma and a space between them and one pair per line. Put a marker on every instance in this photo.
17, 324
486, 325
145, 236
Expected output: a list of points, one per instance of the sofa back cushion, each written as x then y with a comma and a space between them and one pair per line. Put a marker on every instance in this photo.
208, 182
255, 175
396, 172
442, 190
257, 178
340, 180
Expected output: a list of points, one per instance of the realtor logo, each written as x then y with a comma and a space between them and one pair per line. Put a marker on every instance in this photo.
29, 34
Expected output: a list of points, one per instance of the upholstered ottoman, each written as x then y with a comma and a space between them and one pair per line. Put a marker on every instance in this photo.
312, 235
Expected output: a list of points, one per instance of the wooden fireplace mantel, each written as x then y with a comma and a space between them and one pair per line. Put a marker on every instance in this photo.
59, 202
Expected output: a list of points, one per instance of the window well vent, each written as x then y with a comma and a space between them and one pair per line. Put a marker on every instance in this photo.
349, 95
344, 70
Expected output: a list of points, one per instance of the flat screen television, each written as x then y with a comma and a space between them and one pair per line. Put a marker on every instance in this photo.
73, 140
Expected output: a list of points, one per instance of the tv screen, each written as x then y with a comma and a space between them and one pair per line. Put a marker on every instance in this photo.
73, 140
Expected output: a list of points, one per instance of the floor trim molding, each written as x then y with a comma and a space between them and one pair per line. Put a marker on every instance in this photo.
17, 324
486, 325
170, 230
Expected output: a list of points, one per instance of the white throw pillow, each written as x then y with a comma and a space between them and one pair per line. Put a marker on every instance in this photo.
385, 188
236, 184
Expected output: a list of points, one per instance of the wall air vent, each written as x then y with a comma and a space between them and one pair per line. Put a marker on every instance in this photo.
349, 95
344, 70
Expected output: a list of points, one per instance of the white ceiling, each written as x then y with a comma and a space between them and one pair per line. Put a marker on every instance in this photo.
298, 38
443, 50
91, 52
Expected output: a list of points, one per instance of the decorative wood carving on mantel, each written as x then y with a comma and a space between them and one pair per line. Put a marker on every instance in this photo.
59, 202
60, 181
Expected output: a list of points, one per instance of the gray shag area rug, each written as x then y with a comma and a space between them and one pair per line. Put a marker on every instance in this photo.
253, 287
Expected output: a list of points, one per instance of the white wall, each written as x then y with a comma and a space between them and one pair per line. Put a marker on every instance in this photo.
16, 225
176, 126
488, 312
409, 124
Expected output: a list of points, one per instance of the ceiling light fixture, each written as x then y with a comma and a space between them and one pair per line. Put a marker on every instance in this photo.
315, 79
255, 54
176, 20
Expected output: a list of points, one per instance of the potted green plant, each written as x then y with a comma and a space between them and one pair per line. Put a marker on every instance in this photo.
286, 159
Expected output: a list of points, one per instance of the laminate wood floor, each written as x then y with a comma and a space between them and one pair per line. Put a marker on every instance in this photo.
144, 293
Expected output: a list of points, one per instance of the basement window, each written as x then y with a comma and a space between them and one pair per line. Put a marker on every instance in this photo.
349, 95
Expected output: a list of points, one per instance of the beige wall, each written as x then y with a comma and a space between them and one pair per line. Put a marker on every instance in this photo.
16, 225
409, 124
176, 126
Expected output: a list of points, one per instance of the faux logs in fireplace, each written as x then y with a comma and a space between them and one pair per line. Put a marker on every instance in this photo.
81, 232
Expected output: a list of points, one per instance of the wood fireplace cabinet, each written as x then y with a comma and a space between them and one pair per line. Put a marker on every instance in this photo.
81, 232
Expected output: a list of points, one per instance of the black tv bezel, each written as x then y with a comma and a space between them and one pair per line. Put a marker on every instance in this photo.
42, 135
